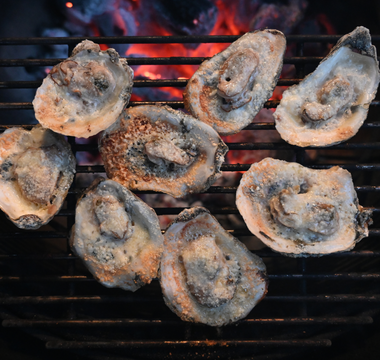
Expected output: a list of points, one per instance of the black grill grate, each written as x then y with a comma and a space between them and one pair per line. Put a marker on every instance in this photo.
45, 290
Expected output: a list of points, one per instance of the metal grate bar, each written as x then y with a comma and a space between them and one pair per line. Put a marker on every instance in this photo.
236, 232
352, 320
261, 253
253, 126
189, 39
136, 83
180, 344
245, 167
136, 299
177, 210
81, 278
174, 104
148, 61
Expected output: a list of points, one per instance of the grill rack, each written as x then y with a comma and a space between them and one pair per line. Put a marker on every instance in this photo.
314, 319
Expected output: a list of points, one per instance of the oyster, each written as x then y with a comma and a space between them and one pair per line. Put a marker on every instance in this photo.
207, 275
161, 149
299, 211
37, 168
228, 90
84, 94
117, 236
331, 104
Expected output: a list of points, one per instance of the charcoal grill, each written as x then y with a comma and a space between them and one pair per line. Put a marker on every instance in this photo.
312, 303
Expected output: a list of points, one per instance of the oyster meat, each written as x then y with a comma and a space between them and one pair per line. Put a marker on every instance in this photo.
117, 236
228, 90
207, 275
84, 94
299, 211
37, 168
331, 104
161, 149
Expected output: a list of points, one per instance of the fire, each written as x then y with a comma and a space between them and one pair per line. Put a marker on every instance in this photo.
69, 5
150, 75
221, 27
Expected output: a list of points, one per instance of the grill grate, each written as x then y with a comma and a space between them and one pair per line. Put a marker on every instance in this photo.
46, 291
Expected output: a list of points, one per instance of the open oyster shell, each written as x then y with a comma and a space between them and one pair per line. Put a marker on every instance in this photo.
299, 211
117, 236
161, 149
228, 90
84, 94
331, 104
207, 275
37, 168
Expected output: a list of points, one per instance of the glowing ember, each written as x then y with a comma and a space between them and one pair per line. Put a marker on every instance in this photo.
150, 75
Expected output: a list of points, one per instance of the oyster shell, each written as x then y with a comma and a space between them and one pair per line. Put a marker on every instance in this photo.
37, 168
331, 104
207, 275
117, 236
84, 94
299, 211
228, 90
161, 149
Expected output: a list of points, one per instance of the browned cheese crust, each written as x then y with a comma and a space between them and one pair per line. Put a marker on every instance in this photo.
124, 152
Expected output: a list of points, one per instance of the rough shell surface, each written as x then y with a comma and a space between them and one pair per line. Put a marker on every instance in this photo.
37, 168
117, 236
245, 271
84, 94
299, 211
314, 113
202, 95
161, 149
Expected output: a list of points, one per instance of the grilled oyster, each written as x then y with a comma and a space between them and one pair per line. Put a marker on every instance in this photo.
84, 94
161, 149
228, 90
299, 211
37, 168
117, 236
207, 275
331, 104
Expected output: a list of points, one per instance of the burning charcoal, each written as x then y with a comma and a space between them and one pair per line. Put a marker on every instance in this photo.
196, 17
281, 17
100, 18
84, 11
52, 51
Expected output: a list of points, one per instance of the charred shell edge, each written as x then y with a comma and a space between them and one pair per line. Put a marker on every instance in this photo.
127, 90
220, 152
115, 59
92, 187
189, 214
29, 221
359, 39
